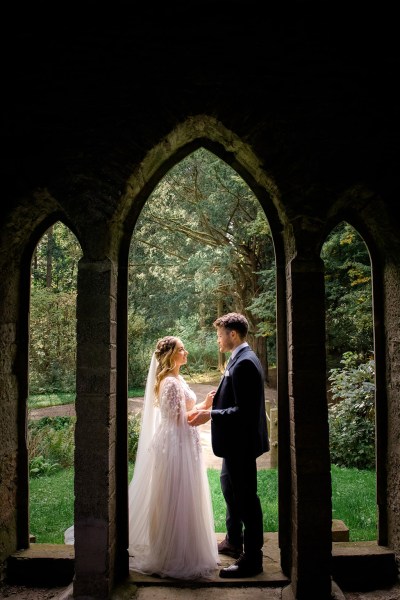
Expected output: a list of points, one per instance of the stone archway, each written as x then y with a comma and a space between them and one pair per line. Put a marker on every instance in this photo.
188, 137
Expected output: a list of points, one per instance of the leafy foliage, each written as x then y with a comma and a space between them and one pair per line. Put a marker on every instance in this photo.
39, 466
55, 260
348, 293
134, 422
352, 414
52, 341
201, 247
53, 311
51, 444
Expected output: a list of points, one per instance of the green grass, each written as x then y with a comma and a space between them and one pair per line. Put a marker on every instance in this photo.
51, 506
137, 392
268, 492
353, 499
354, 502
46, 400
56, 399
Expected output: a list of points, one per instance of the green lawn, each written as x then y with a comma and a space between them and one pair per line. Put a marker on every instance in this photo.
58, 398
51, 502
46, 400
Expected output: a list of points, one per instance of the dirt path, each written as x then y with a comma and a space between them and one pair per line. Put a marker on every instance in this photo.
135, 404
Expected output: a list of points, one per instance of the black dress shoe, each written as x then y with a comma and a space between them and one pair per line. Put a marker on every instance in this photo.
243, 567
225, 547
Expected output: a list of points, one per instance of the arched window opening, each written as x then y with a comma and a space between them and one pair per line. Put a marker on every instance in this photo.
202, 247
52, 365
351, 380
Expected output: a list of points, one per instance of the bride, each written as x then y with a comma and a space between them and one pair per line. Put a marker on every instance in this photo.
171, 525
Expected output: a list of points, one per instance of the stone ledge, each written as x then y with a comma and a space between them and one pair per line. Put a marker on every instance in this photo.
39, 564
340, 531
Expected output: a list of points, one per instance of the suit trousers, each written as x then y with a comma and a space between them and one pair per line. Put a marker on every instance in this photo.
244, 519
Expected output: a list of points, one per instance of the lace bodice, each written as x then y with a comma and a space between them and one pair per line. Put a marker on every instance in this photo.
174, 391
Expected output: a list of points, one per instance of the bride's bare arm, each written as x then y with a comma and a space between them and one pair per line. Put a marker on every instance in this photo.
207, 402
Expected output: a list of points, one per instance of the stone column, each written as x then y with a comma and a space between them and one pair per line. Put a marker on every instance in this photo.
388, 425
14, 471
95, 492
309, 434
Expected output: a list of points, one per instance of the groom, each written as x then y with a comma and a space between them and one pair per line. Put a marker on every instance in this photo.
239, 434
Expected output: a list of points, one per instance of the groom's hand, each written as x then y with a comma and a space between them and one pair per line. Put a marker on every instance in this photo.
198, 417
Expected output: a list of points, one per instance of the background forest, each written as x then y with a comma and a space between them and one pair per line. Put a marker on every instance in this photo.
201, 247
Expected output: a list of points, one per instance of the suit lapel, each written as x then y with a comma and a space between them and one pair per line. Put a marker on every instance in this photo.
230, 364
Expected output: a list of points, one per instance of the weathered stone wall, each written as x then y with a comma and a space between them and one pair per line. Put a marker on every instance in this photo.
392, 327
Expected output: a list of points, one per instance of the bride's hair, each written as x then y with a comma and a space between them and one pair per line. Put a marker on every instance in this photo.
164, 353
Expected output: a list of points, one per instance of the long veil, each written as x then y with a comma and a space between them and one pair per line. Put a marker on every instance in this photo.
139, 487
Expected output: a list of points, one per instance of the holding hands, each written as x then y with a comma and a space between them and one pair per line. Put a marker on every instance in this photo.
200, 414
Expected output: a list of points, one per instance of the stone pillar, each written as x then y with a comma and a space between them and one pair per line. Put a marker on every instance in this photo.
309, 433
273, 438
95, 492
14, 472
388, 425
284, 456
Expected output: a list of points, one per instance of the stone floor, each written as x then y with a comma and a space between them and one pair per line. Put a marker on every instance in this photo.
271, 576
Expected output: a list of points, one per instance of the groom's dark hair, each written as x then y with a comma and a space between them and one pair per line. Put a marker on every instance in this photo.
233, 321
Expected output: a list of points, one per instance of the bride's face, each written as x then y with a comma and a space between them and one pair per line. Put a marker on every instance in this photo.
180, 355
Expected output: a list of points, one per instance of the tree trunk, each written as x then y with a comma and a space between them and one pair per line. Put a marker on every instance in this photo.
49, 257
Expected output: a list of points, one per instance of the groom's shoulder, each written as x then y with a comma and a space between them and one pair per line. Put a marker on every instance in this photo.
248, 354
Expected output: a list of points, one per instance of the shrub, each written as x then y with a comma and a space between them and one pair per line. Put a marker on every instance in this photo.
133, 435
39, 466
352, 414
51, 442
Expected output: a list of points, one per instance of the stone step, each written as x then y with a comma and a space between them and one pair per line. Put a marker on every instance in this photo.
355, 566
363, 566
42, 565
340, 531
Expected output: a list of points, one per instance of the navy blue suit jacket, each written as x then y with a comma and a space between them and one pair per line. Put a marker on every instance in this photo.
238, 418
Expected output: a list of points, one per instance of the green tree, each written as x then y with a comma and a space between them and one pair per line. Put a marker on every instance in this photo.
202, 246
348, 294
52, 355
53, 311
55, 259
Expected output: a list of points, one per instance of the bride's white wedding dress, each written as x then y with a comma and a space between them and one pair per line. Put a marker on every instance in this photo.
171, 524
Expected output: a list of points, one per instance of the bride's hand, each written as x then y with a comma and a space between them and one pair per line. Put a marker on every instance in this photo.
202, 416
191, 414
209, 399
